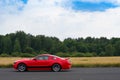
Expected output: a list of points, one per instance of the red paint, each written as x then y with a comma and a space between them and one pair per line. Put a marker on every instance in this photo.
43, 62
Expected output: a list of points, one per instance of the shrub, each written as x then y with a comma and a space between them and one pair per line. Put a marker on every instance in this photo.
43, 52
29, 50
102, 54
89, 54
77, 54
16, 54
4, 55
27, 55
63, 54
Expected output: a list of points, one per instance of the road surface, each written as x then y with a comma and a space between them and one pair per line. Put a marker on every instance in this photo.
73, 74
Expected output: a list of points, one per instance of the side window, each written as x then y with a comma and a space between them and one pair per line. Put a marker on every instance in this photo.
45, 57
42, 58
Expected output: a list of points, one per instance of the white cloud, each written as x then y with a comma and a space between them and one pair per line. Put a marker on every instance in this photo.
50, 19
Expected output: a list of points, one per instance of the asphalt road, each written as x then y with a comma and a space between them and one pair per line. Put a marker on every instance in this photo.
73, 74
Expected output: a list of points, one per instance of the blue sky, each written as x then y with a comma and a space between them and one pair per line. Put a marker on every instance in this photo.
90, 6
77, 5
61, 18
12, 6
25, 1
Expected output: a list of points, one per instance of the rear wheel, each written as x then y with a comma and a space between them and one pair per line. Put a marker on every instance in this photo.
56, 68
22, 67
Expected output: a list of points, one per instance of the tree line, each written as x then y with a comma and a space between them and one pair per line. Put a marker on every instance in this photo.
20, 42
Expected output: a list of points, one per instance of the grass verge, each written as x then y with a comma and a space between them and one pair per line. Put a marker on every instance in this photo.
95, 61
96, 65
6, 66
7, 62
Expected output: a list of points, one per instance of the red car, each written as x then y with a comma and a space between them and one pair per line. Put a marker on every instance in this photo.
43, 62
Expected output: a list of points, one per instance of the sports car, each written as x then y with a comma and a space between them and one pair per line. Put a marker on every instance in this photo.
43, 62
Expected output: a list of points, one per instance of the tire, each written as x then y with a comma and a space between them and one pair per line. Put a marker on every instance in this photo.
22, 67
56, 68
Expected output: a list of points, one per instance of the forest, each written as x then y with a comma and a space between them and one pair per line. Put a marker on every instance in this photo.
23, 44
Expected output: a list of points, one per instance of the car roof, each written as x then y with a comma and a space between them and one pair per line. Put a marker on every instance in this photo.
45, 55
48, 55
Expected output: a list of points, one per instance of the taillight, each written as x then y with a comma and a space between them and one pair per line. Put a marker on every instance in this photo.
68, 59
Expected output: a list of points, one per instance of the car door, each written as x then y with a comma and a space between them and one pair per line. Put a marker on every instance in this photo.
41, 61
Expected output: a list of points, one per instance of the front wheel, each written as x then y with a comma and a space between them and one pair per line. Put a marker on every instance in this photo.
22, 67
56, 68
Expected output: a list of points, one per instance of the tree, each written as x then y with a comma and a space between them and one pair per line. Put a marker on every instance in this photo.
81, 47
63, 48
70, 44
1, 44
37, 43
17, 47
22, 38
27, 43
7, 43
117, 48
55, 47
109, 50
29, 50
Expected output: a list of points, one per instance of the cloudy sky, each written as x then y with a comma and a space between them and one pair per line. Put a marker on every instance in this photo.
61, 18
